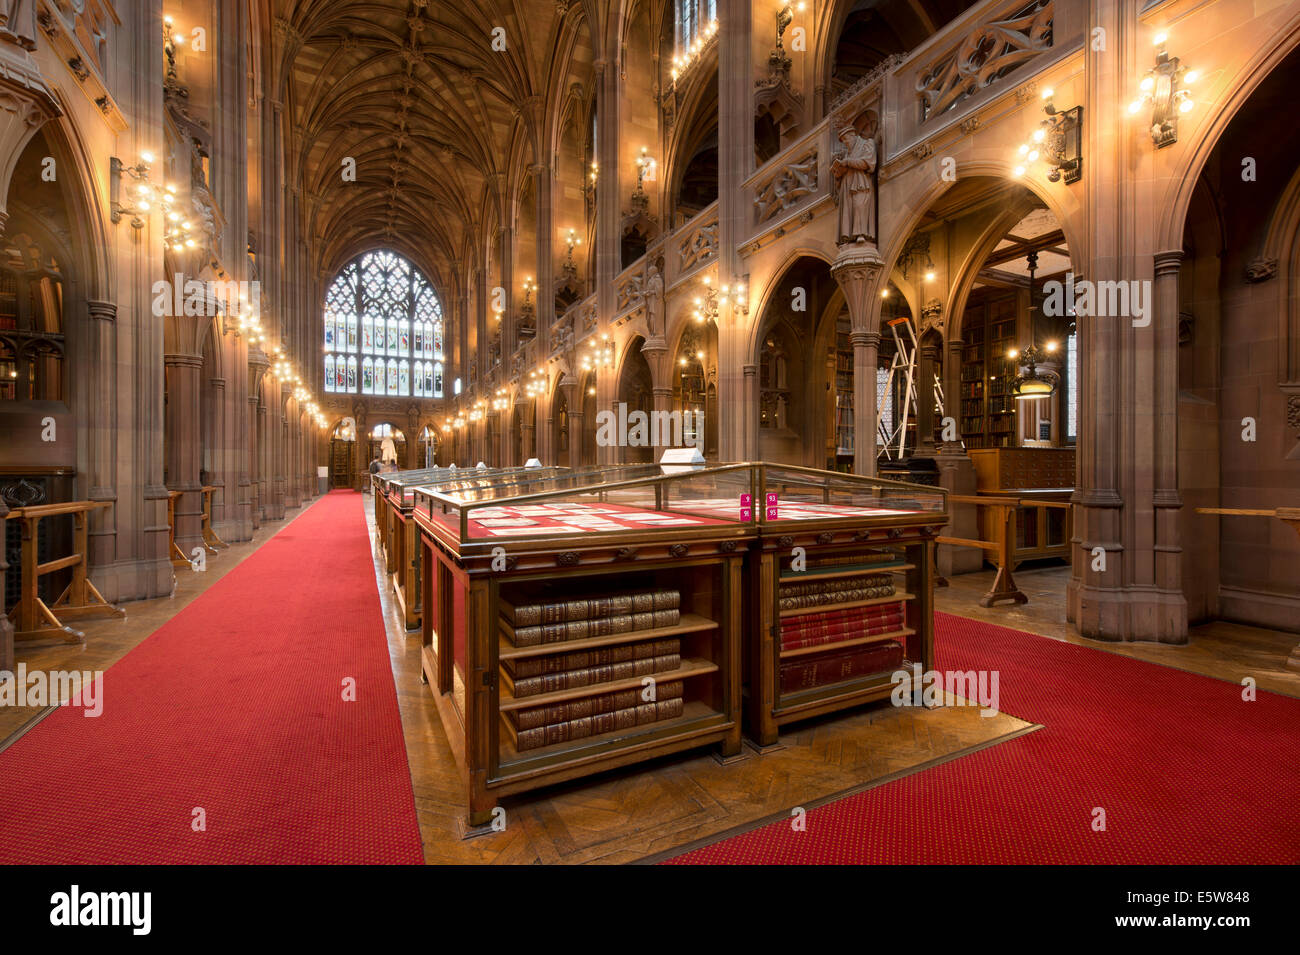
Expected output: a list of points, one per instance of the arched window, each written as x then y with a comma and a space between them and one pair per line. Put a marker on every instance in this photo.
380, 313
693, 20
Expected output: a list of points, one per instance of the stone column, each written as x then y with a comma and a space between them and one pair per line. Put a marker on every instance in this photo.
573, 401
1166, 498
184, 446
859, 271
655, 351
6, 628
750, 450
101, 428
254, 504
931, 351
221, 508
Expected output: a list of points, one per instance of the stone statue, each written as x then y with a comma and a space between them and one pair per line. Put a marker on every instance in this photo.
854, 177
652, 291
18, 22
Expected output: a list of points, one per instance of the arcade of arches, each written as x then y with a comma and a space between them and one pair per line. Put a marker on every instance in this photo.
250, 247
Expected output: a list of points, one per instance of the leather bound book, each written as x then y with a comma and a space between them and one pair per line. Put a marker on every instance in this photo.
588, 608
833, 620
589, 676
590, 706
836, 597
839, 584
582, 629
836, 666
833, 635
558, 662
583, 727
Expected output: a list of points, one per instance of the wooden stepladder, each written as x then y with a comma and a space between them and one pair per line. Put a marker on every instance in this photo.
35, 623
209, 535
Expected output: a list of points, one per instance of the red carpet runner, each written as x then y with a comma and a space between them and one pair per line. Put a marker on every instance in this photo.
235, 707
1186, 771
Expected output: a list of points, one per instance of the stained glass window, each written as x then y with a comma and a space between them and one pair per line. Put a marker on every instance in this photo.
380, 305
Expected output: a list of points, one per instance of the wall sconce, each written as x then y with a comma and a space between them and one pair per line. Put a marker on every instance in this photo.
600, 354
574, 241
535, 385
1165, 88
708, 306
529, 287
645, 170
1058, 141
144, 194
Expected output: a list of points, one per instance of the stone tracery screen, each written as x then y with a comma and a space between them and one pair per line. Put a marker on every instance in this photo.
383, 330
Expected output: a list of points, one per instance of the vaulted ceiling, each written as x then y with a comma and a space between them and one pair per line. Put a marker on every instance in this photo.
441, 114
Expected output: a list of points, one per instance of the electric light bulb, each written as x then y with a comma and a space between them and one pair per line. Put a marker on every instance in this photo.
1159, 39
1190, 76
1047, 93
1040, 135
146, 157
1023, 149
1146, 84
1013, 353
1185, 105
1134, 106
1033, 155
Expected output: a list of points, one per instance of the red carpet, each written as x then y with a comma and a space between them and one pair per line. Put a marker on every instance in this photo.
1186, 771
235, 707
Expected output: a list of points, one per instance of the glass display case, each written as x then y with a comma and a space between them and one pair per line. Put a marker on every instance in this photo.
598, 617
393, 500
841, 592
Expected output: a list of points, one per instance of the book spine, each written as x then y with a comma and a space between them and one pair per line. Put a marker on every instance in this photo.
535, 615
555, 663
589, 706
844, 665
862, 616
599, 627
839, 596
799, 642
582, 727
590, 676
832, 586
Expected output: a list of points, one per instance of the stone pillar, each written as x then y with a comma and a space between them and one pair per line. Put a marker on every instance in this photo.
930, 354
1166, 499
221, 505
750, 450
254, 503
573, 401
655, 351
859, 271
527, 432
6, 628
184, 446
101, 428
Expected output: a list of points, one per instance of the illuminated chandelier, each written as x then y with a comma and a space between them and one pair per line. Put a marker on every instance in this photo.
1033, 382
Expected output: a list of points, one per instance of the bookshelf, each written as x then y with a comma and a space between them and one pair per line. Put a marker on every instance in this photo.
844, 437
988, 410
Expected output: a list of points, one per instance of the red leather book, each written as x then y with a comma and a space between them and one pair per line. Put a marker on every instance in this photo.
835, 634
819, 622
836, 666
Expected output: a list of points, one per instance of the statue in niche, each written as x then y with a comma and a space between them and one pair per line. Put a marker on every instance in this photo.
854, 173
652, 291
18, 22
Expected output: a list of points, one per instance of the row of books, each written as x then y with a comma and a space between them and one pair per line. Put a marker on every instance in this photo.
823, 669
569, 671
591, 715
796, 596
836, 626
535, 623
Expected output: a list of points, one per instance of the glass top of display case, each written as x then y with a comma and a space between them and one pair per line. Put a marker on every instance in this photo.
403, 483
623, 499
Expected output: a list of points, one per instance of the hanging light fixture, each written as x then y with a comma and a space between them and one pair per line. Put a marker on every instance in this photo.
1033, 382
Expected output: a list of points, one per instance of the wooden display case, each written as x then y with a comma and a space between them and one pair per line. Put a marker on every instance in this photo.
598, 534
840, 541
394, 500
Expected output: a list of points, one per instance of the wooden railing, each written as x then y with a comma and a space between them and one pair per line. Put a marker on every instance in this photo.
35, 622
